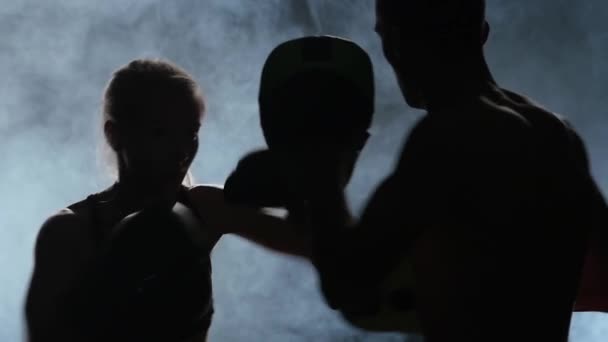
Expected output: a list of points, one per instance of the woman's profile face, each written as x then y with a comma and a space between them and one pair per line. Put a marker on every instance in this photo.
161, 147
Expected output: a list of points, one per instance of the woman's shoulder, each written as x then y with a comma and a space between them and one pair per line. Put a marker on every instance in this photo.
62, 232
65, 220
204, 187
206, 193
68, 226
208, 201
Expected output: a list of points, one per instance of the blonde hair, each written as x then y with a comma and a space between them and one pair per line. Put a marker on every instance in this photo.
137, 88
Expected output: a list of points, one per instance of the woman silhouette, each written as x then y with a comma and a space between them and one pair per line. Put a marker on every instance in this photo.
152, 115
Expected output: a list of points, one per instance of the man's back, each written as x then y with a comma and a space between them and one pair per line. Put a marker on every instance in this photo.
500, 192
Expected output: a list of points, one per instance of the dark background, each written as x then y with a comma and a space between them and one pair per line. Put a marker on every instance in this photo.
56, 57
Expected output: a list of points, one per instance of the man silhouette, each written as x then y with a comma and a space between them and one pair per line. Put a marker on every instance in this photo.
491, 201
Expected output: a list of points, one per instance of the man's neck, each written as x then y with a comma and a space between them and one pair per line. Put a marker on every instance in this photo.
447, 80
458, 87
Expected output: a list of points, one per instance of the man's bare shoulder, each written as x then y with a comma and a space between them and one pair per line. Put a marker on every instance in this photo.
500, 117
478, 126
482, 117
535, 114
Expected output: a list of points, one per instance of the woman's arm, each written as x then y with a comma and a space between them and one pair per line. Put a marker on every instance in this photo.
56, 254
271, 232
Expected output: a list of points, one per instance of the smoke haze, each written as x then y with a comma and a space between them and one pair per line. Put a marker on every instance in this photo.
57, 56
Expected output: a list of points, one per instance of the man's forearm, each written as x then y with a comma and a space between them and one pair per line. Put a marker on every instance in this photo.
329, 210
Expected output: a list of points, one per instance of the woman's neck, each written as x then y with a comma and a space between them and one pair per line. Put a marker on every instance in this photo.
136, 194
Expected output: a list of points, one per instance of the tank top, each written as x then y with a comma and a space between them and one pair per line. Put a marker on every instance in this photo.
154, 286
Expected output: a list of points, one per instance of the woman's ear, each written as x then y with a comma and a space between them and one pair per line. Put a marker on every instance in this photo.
110, 131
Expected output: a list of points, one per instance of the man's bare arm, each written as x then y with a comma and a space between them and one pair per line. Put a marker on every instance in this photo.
593, 290
352, 260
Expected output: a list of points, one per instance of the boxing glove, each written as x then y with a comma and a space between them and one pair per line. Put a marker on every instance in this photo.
257, 181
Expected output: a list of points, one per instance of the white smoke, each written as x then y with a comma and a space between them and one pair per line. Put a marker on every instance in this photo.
56, 57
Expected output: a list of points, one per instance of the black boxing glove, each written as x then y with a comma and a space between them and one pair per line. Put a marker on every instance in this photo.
257, 181
150, 281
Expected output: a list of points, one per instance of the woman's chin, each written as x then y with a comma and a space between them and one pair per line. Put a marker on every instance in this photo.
164, 180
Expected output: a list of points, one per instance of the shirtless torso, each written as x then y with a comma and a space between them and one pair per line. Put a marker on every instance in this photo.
493, 202
503, 192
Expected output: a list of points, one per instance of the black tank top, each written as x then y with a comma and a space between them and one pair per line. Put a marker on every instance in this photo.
156, 290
